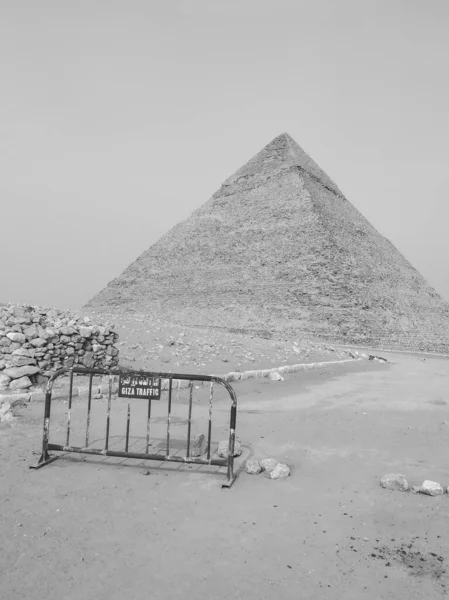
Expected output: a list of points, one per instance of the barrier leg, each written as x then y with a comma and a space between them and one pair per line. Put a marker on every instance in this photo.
230, 476
45, 458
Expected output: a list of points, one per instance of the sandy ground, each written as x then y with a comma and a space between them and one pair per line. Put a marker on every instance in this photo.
102, 529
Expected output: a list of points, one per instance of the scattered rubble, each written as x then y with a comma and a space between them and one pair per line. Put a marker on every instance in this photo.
273, 468
398, 482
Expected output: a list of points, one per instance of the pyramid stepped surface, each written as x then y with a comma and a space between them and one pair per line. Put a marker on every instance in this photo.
279, 248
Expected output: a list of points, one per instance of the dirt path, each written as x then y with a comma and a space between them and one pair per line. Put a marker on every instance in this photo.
102, 530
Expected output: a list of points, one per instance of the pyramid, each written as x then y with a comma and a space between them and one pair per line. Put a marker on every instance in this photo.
278, 250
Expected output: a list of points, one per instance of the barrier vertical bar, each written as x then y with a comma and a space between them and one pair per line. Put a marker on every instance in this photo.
230, 472
108, 417
148, 426
170, 386
69, 413
189, 423
209, 432
128, 420
89, 404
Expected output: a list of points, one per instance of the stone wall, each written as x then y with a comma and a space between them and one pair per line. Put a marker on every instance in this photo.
35, 342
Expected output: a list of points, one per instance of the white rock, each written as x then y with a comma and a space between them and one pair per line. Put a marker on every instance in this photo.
268, 464
223, 448
431, 488
5, 412
280, 471
394, 481
275, 376
14, 336
253, 467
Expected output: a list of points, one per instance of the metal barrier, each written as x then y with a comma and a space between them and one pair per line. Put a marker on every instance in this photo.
147, 386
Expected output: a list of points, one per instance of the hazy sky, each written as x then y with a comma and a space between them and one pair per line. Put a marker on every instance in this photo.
120, 117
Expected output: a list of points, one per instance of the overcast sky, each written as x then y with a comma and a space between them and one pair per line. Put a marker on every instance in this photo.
120, 117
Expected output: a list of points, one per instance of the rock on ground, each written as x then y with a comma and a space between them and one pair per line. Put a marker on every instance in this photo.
394, 481
280, 471
6, 413
268, 464
223, 448
431, 488
253, 467
275, 376
198, 446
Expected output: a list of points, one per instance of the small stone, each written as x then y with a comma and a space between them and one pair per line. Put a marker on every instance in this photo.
280, 471
275, 376
223, 448
97, 396
2, 364
394, 481
431, 488
38, 342
6, 414
20, 384
253, 467
268, 464
14, 336
198, 445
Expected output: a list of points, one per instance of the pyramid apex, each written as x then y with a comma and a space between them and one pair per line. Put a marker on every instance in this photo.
282, 152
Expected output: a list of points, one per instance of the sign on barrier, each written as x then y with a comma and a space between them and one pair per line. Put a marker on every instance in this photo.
146, 386
138, 386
